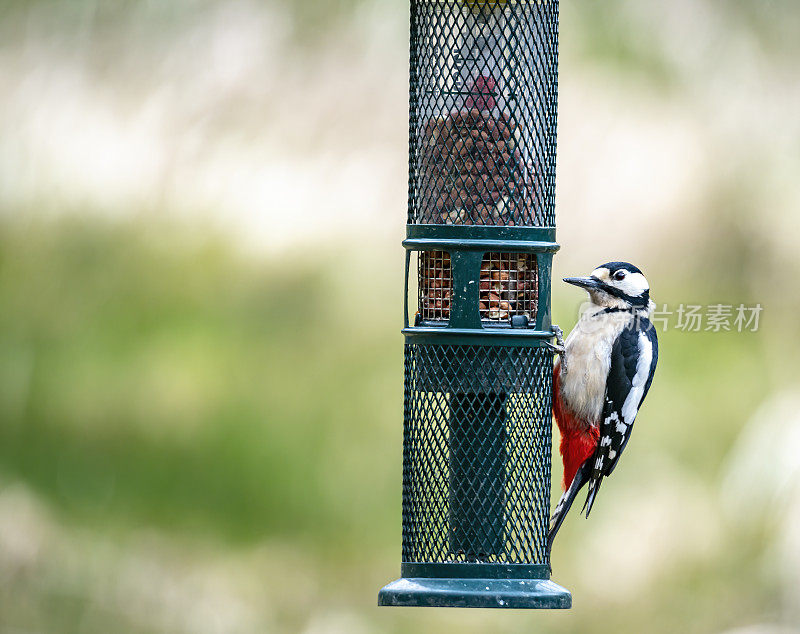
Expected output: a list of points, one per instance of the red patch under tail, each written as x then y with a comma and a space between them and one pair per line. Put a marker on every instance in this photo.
578, 438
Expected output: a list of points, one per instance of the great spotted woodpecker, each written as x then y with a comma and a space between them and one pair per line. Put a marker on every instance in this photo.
608, 364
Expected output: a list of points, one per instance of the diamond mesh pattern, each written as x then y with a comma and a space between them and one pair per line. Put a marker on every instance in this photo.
482, 144
476, 454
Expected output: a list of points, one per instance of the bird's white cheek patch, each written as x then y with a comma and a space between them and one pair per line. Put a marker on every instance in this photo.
634, 284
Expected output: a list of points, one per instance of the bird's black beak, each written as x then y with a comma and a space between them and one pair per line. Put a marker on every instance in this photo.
589, 283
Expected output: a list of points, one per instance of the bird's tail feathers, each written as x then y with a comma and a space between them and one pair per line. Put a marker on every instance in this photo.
594, 487
564, 504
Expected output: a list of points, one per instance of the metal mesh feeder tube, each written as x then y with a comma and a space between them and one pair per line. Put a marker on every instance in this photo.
479, 245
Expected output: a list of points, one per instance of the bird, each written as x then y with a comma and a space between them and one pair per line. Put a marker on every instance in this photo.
602, 375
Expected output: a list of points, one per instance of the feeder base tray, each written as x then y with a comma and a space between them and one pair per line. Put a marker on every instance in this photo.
475, 593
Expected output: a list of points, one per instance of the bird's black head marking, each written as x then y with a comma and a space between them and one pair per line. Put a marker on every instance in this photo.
616, 283
613, 267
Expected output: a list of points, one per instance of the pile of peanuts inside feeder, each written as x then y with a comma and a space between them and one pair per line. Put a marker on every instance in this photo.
435, 284
474, 173
508, 286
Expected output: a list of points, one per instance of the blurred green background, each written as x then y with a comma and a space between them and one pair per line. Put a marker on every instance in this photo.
201, 209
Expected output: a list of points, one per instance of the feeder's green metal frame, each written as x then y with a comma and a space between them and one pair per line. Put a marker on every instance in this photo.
478, 585
466, 246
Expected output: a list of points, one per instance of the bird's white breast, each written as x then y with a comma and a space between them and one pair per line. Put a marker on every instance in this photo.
588, 359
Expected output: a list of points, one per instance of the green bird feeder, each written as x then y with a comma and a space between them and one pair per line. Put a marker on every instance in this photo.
478, 366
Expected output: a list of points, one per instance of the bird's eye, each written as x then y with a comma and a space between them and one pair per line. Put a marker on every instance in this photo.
619, 275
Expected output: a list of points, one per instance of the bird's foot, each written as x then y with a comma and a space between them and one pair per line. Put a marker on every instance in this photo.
558, 347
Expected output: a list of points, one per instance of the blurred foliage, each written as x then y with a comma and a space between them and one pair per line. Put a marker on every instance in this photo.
180, 386
311, 20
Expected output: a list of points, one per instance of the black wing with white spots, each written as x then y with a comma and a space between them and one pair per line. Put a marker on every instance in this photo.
633, 364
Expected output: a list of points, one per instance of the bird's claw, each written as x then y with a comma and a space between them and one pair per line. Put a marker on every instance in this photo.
558, 347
